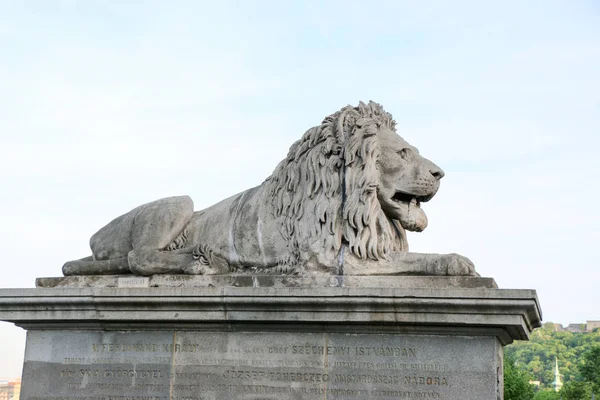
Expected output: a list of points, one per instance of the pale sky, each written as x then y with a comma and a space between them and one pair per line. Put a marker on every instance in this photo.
105, 105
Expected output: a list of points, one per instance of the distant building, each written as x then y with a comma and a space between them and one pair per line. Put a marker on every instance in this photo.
10, 390
557, 384
576, 328
591, 325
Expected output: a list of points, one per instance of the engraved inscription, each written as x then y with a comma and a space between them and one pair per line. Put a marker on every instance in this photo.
281, 366
133, 282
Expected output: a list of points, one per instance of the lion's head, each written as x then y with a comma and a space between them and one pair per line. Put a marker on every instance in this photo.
405, 180
352, 181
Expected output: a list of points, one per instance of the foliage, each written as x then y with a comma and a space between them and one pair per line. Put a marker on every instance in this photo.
516, 382
590, 368
576, 391
536, 356
548, 394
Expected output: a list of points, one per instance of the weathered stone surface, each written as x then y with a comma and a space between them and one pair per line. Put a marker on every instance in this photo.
259, 365
339, 204
275, 343
277, 281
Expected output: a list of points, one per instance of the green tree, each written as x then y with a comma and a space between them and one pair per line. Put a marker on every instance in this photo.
537, 356
547, 394
516, 382
590, 368
576, 391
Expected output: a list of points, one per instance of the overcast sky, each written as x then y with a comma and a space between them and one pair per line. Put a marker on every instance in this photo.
105, 105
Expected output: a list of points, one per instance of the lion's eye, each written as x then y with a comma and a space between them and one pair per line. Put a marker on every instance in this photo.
406, 154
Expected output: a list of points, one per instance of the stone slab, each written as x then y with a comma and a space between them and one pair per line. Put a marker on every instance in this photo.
187, 365
503, 313
277, 281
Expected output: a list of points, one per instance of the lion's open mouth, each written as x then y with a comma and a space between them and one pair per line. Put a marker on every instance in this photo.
410, 199
406, 208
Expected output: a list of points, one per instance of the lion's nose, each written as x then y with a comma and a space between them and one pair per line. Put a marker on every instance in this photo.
437, 172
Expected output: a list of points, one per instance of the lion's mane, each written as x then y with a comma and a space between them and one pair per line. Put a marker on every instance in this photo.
326, 188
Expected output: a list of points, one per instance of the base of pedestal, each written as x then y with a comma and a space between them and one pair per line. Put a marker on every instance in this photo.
280, 342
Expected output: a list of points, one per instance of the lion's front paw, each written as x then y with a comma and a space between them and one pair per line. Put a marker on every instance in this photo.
455, 264
203, 262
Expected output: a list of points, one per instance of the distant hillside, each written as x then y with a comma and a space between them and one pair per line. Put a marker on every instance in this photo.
537, 355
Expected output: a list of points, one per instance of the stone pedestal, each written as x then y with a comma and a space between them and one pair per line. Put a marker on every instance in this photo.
183, 338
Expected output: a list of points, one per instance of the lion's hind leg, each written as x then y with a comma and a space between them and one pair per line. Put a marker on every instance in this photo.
158, 223
147, 228
155, 227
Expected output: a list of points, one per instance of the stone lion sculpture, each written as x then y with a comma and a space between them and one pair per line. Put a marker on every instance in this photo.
339, 203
